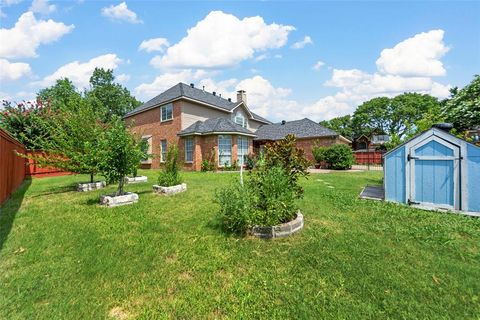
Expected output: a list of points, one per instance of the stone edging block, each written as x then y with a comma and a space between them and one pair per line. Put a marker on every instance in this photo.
279, 231
112, 200
170, 190
82, 187
139, 179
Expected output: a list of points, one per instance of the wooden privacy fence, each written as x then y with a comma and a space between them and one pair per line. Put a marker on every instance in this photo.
34, 170
12, 166
368, 157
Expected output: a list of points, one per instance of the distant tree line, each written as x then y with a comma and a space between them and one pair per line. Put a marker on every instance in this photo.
408, 114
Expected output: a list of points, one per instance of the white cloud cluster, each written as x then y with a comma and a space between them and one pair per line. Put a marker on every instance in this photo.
121, 12
13, 71
416, 56
407, 67
302, 43
155, 44
28, 34
42, 7
79, 73
221, 40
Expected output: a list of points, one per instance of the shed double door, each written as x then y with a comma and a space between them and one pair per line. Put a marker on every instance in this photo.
434, 174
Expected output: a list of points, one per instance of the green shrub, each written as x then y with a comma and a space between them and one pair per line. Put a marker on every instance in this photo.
265, 199
319, 153
339, 157
170, 175
268, 195
250, 161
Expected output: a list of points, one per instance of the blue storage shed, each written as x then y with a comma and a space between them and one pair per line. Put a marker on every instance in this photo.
434, 170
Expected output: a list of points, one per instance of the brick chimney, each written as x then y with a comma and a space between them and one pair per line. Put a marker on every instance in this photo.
241, 96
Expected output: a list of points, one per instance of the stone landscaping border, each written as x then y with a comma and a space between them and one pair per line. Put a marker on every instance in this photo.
138, 179
82, 187
112, 200
279, 231
170, 190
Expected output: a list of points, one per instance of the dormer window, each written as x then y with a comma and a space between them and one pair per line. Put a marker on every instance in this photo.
166, 112
240, 119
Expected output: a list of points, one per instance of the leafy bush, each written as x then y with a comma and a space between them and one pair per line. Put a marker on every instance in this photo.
209, 164
265, 199
250, 161
231, 167
284, 153
319, 153
339, 157
268, 195
170, 175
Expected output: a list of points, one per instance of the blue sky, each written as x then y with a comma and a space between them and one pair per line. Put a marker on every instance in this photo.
294, 59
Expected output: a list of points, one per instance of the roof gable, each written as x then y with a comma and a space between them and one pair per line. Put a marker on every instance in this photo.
182, 90
215, 125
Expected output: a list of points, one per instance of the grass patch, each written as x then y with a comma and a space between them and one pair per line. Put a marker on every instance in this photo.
64, 256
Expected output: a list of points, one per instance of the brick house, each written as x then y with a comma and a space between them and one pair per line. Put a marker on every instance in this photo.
206, 126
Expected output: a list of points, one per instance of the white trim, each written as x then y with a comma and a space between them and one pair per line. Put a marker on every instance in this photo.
161, 150
164, 106
219, 133
246, 108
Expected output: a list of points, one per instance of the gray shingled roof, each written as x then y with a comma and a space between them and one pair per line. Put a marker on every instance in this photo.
304, 128
184, 90
215, 125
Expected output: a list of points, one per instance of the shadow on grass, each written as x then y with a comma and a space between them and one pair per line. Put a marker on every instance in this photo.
9, 210
57, 190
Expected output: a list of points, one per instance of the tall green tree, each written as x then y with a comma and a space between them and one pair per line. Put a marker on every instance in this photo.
341, 125
107, 95
463, 108
399, 116
63, 94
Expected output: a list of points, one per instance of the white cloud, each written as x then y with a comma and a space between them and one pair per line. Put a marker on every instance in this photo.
155, 44
164, 81
121, 12
42, 7
278, 56
13, 71
318, 65
416, 56
302, 43
221, 40
7, 3
79, 73
123, 78
261, 57
28, 34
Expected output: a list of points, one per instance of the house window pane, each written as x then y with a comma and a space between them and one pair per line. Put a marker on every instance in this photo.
189, 150
163, 150
166, 112
240, 119
224, 150
242, 146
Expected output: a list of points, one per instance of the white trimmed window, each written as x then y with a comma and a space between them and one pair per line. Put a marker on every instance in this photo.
163, 150
166, 112
189, 150
240, 119
242, 147
224, 150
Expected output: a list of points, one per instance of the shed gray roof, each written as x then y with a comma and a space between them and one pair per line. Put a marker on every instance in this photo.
183, 90
215, 125
304, 128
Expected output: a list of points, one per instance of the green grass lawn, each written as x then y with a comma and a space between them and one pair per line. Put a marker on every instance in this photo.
64, 257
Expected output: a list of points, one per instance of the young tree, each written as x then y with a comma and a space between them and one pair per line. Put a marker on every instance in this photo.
73, 142
111, 97
120, 153
170, 175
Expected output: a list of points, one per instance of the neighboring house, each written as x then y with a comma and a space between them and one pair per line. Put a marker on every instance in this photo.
372, 143
206, 126
307, 132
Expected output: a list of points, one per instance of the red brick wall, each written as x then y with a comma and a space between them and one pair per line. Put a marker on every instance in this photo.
148, 123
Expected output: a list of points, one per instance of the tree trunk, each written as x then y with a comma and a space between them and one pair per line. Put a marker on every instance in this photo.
91, 177
121, 182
